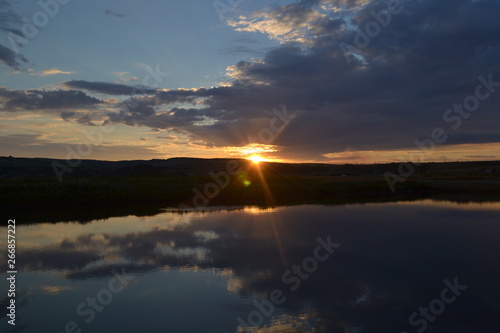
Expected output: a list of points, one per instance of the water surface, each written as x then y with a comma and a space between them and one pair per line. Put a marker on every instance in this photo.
221, 271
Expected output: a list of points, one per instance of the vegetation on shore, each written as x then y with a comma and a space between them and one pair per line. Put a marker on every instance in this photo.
145, 189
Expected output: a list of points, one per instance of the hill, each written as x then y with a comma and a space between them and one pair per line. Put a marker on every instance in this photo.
11, 167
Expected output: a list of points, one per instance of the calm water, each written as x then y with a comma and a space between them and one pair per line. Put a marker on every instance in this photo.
348, 269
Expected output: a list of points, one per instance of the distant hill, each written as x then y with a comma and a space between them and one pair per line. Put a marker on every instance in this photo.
12, 167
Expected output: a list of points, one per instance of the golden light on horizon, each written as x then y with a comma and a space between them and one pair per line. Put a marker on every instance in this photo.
256, 159
255, 149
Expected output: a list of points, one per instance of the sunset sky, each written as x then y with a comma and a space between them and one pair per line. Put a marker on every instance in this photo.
332, 81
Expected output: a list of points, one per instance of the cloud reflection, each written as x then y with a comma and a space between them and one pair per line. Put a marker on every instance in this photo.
393, 258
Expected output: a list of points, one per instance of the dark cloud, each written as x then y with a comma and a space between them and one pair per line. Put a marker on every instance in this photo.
67, 114
86, 120
10, 58
133, 111
10, 23
465, 138
35, 99
109, 88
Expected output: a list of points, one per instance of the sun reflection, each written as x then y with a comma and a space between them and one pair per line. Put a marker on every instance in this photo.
256, 210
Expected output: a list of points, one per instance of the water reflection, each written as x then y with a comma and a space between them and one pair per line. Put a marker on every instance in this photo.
201, 271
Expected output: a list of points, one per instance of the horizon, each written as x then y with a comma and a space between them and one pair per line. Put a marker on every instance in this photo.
249, 159
291, 81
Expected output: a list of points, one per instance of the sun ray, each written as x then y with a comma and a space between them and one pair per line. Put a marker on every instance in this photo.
269, 200
256, 158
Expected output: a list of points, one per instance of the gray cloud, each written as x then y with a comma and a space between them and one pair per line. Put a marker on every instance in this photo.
86, 120
35, 99
67, 114
466, 137
109, 88
10, 58
10, 22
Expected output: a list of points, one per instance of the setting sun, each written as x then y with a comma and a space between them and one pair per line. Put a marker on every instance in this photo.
256, 159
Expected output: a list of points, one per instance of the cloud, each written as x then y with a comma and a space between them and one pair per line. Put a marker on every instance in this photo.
86, 120
109, 88
53, 71
35, 99
21, 145
394, 91
133, 112
67, 114
11, 22
124, 76
10, 58
285, 23
112, 13
473, 138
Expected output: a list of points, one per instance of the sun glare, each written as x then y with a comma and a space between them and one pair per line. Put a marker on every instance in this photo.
256, 159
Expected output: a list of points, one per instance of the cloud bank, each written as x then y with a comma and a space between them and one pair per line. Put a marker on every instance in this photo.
356, 76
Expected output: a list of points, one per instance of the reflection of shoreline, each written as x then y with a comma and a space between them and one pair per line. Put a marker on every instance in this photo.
81, 213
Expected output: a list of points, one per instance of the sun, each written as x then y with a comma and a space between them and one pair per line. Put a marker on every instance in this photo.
256, 159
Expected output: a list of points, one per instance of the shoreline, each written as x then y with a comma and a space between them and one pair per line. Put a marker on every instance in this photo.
83, 200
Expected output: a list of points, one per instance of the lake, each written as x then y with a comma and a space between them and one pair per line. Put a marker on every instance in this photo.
394, 267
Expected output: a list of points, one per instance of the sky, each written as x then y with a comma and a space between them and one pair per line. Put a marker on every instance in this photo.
330, 81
